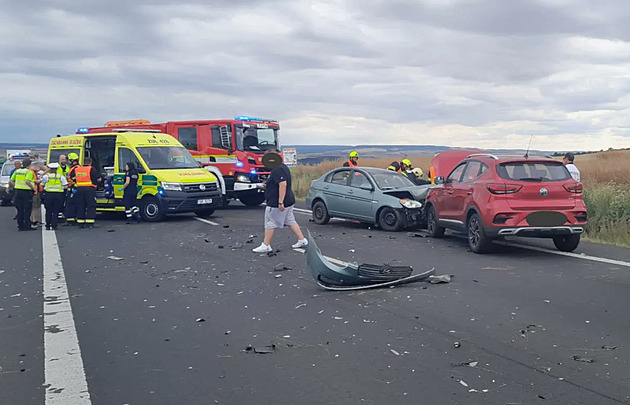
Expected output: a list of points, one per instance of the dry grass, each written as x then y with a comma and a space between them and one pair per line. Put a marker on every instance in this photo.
604, 167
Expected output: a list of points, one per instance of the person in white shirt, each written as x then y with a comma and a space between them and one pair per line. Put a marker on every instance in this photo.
568, 162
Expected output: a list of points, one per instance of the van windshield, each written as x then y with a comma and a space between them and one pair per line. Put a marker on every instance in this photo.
167, 157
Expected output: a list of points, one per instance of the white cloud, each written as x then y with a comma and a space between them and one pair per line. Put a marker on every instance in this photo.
480, 73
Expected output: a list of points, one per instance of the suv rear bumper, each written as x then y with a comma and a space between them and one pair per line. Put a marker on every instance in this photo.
536, 232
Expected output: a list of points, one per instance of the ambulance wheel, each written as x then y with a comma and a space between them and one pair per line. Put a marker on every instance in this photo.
205, 213
152, 210
252, 200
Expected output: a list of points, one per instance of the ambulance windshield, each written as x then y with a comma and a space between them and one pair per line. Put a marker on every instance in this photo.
167, 157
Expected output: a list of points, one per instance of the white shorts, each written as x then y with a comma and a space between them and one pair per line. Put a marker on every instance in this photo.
274, 218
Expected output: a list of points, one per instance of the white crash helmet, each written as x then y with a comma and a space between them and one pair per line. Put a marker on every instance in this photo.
417, 171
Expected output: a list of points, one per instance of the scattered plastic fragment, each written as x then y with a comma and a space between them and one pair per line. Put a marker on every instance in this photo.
443, 278
277, 276
457, 345
200, 320
300, 306
462, 382
583, 359
261, 350
416, 235
115, 258
395, 352
607, 347
281, 267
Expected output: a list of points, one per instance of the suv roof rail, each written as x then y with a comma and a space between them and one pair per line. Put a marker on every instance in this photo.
135, 130
490, 155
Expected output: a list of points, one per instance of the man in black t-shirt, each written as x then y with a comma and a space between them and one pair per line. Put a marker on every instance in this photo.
279, 211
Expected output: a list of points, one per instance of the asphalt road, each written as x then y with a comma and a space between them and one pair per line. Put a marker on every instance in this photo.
165, 314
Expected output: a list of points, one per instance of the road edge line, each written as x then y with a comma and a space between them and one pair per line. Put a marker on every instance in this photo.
64, 373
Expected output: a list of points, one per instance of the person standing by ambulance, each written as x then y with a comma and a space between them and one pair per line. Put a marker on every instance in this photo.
70, 212
23, 182
54, 186
130, 193
86, 178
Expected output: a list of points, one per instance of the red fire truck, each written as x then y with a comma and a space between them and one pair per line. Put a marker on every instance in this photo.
234, 146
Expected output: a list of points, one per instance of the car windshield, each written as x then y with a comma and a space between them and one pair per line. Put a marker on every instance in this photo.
533, 171
167, 157
6, 168
257, 139
388, 180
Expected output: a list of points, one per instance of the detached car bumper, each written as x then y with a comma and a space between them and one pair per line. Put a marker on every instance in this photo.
179, 201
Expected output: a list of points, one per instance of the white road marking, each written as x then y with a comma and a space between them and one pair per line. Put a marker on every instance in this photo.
330, 259
206, 221
568, 254
65, 381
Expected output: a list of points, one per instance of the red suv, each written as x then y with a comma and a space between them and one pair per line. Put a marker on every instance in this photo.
490, 196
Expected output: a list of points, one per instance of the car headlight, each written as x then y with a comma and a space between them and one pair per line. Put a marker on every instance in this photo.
243, 178
171, 186
410, 203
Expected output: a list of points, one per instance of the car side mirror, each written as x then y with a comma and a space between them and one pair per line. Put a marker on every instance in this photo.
439, 180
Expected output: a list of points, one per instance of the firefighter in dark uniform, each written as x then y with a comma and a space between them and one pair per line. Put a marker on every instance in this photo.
86, 180
71, 201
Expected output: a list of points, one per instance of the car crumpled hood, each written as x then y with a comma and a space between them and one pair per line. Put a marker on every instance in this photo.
419, 193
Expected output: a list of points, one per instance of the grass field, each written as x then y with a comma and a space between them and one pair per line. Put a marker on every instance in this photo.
605, 175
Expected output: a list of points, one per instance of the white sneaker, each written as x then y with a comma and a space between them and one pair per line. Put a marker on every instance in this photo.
262, 249
300, 243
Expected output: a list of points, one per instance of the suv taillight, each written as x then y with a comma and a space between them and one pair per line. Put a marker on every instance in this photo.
573, 187
501, 188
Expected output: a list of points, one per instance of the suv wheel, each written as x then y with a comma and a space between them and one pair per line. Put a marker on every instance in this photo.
390, 219
478, 241
320, 213
567, 243
434, 230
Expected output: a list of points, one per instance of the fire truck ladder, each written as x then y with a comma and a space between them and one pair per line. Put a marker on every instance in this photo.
226, 136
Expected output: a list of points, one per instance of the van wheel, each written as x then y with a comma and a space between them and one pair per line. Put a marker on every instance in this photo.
434, 230
320, 213
390, 219
252, 200
478, 241
205, 213
567, 243
152, 210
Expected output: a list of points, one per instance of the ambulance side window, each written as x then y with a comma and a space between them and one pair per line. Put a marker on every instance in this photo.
188, 137
126, 155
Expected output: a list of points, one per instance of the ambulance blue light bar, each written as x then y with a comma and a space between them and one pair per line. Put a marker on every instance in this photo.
83, 130
248, 118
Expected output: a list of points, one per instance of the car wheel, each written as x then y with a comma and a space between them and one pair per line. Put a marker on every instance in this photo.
252, 200
205, 213
478, 241
320, 213
152, 210
567, 243
390, 219
434, 230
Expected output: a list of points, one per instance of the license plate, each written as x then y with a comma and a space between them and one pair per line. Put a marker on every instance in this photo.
205, 201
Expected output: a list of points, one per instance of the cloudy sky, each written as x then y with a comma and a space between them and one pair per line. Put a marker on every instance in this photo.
483, 73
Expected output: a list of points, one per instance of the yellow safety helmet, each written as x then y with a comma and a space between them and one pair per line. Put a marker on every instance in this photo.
406, 162
354, 154
417, 171
73, 156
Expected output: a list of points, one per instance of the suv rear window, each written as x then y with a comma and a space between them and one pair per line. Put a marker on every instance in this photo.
533, 171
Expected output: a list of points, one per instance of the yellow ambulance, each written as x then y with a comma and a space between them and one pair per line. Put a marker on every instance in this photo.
170, 179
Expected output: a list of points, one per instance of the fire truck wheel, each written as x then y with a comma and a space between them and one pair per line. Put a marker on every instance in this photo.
252, 200
205, 213
152, 210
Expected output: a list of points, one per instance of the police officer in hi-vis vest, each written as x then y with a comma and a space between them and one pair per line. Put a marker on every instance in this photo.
55, 187
86, 179
23, 182
70, 211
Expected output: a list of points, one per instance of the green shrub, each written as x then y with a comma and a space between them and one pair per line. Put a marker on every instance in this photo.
608, 207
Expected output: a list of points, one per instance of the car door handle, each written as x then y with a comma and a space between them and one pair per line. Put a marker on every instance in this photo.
470, 191
326, 187
450, 191
350, 192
